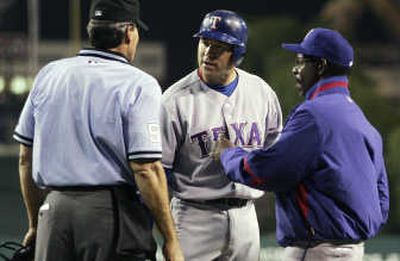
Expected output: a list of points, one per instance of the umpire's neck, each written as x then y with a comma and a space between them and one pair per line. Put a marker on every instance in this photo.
129, 43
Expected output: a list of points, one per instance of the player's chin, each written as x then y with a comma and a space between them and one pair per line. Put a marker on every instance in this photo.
211, 78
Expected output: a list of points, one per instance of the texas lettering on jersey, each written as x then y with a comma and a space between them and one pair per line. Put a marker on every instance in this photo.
237, 135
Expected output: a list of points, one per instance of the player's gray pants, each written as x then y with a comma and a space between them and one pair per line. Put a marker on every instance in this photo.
211, 232
327, 252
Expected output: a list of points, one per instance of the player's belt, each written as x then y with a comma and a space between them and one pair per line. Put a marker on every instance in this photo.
230, 202
311, 244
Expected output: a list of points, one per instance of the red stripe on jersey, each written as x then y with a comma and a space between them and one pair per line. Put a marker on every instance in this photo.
302, 199
253, 177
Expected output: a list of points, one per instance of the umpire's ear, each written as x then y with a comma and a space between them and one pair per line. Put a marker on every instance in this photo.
129, 30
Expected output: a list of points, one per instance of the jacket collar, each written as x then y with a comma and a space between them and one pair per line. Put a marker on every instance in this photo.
335, 84
105, 54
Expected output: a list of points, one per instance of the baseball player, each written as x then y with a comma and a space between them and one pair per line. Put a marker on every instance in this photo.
89, 134
327, 169
216, 218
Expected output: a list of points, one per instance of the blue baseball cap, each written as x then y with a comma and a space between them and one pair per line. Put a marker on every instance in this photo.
325, 43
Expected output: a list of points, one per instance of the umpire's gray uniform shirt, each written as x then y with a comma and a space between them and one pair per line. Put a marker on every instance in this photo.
86, 116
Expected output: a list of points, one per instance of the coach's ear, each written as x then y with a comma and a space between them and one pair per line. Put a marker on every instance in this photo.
322, 66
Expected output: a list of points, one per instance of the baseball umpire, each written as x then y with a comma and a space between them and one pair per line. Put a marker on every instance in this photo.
90, 136
327, 169
216, 218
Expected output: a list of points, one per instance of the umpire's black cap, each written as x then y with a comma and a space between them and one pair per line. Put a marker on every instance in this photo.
117, 11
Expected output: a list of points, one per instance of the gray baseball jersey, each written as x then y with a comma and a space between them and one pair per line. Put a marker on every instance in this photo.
193, 115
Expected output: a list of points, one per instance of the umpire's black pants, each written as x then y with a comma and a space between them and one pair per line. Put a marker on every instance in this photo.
78, 225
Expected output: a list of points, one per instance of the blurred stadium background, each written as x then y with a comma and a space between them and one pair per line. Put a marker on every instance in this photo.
35, 32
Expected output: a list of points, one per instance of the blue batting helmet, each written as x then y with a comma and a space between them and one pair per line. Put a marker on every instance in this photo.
228, 27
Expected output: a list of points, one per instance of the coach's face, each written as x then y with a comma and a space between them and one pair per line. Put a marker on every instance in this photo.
305, 71
215, 61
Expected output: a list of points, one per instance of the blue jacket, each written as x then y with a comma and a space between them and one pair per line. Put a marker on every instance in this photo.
327, 170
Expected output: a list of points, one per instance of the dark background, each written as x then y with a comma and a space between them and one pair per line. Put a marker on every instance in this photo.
172, 22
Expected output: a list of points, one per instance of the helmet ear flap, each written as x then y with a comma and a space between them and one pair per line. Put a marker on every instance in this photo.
238, 54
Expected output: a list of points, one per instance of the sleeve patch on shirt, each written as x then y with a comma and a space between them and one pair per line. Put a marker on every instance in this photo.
154, 132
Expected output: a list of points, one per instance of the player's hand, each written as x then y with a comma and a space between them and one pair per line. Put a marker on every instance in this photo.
172, 251
30, 237
222, 144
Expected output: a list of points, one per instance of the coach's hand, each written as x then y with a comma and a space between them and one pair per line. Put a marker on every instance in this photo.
172, 251
222, 144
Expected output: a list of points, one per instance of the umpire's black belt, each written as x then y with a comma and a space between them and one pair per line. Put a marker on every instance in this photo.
84, 188
229, 202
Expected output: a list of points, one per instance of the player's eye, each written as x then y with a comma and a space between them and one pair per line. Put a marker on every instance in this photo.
217, 46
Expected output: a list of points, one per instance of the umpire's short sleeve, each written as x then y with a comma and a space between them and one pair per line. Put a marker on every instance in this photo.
142, 135
24, 131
